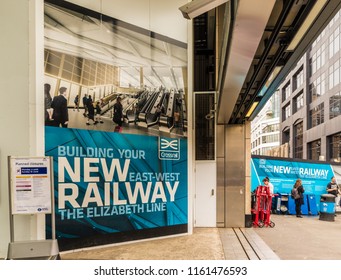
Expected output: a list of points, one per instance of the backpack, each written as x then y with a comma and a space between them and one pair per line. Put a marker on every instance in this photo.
294, 194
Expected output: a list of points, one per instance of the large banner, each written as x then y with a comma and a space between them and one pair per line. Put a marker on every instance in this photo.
284, 173
107, 183
116, 122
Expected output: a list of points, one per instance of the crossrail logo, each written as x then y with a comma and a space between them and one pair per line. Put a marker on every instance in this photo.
169, 149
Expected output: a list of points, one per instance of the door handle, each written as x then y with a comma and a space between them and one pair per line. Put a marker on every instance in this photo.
212, 192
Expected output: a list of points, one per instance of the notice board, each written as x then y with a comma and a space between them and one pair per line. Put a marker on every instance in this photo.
30, 185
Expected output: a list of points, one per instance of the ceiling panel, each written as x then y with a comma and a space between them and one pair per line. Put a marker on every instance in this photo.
108, 40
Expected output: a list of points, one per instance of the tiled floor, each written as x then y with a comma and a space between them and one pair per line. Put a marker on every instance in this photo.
204, 244
291, 239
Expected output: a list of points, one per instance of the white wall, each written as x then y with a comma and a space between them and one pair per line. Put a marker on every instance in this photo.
21, 114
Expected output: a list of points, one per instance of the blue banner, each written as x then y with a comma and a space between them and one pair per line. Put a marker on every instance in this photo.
284, 173
108, 182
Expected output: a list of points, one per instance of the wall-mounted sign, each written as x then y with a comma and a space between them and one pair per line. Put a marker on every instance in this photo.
30, 185
111, 185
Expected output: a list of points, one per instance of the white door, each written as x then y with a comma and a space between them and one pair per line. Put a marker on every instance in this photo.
205, 194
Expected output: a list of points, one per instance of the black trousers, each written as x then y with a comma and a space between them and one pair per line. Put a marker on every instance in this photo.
298, 207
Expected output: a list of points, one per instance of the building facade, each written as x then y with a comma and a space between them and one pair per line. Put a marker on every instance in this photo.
265, 128
311, 100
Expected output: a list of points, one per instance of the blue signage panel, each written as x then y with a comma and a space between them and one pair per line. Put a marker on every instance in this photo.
284, 173
33, 170
108, 182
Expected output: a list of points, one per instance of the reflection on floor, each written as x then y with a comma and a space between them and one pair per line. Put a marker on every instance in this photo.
315, 240
78, 120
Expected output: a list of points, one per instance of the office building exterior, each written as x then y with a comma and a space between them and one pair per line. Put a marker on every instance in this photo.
265, 128
311, 100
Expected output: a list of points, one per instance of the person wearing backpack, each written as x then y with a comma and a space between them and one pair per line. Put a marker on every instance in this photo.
297, 194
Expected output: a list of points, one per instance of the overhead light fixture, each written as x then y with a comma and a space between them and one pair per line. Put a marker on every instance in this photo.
306, 24
198, 7
253, 107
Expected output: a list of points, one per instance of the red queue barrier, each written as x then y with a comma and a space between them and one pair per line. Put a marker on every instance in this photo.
261, 210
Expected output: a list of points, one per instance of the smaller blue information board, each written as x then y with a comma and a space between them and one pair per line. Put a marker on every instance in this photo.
284, 173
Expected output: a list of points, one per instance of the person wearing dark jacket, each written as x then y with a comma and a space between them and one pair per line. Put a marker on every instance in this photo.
47, 104
85, 105
60, 114
91, 111
98, 112
299, 198
118, 112
333, 188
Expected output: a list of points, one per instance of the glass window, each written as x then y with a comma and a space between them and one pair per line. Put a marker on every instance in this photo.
286, 112
298, 140
53, 62
316, 115
286, 92
331, 46
314, 150
286, 136
335, 147
323, 54
318, 58
317, 88
271, 128
275, 104
264, 139
298, 79
336, 40
335, 106
298, 102
336, 78
270, 138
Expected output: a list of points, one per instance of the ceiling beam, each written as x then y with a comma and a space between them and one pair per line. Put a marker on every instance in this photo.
248, 29
283, 16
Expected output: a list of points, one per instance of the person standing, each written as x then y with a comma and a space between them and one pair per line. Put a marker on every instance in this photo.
297, 193
47, 104
176, 118
118, 112
60, 112
85, 105
137, 110
333, 188
98, 112
267, 183
91, 111
76, 101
